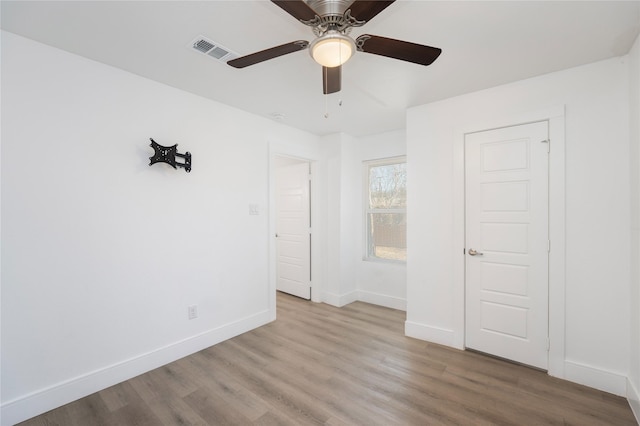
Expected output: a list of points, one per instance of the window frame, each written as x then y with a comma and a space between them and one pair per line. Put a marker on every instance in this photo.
367, 210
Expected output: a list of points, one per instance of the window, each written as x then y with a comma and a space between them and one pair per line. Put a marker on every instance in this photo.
386, 209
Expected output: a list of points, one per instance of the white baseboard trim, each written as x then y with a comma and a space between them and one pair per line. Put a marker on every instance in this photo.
43, 400
633, 396
382, 300
595, 378
430, 333
331, 299
339, 300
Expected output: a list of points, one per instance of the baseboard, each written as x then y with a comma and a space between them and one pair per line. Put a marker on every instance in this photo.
633, 396
429, 333
41, 401
339, 300
330, 299
596, 378
382, 300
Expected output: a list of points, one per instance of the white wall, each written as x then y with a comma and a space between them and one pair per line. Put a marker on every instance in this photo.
381, 283
332, 291
101, 253
633, 389
597, 176
349, 277
340, 287
348, 220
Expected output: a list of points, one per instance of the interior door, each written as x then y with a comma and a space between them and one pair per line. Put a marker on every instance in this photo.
293, 239
507, 245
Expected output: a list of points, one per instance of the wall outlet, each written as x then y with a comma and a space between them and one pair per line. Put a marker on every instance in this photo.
193, 311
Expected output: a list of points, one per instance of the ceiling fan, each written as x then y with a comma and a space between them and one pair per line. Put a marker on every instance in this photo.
331, 22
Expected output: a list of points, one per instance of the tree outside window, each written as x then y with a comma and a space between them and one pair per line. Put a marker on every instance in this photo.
386, 209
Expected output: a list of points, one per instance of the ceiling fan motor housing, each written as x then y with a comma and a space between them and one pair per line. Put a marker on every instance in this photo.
331, 16
329, 7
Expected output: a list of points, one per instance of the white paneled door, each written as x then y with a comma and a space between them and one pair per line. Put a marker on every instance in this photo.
507, 245
293, 239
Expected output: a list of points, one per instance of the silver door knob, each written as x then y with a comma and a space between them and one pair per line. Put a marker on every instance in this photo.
472, 252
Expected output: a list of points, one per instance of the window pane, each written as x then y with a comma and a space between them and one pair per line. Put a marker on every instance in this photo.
388, 186
388, 235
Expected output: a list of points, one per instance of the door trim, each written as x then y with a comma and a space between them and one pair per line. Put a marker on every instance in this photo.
275, 150
303, 172
556, 118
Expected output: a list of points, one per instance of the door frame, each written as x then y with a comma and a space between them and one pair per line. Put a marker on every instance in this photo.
277, 150
307, 183
556, 118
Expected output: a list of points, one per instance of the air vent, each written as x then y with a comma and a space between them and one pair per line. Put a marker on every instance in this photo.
203, 46
212, 49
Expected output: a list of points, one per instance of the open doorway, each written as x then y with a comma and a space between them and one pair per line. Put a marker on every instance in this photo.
292, 196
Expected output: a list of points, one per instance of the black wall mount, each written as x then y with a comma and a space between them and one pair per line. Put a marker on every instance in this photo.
168, 154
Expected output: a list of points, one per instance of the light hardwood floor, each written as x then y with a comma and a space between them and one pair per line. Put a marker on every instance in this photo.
317, 364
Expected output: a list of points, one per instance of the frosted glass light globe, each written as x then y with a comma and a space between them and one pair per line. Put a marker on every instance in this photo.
332, 50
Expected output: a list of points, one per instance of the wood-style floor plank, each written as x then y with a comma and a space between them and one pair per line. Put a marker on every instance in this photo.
322, 365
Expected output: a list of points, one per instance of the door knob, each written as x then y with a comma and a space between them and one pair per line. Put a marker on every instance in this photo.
472, 252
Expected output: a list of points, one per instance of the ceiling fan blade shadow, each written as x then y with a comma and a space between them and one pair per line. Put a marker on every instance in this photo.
365, 10
331, 79
296, 8
398, 49
264, 55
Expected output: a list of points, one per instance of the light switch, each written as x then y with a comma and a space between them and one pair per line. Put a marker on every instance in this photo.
254, 209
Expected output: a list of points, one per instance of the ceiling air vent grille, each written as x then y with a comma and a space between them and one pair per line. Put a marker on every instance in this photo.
203, 46
212, 49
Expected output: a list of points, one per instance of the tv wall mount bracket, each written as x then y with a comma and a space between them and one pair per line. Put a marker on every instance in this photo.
168, 154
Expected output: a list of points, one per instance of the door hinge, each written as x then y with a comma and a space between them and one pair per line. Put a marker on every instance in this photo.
548, 246
548, 142
548, 344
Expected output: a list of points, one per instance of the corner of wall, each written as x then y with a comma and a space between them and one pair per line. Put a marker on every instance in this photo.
339, 300
596, 378
382, 300
633, 396
15, 411
441, 336
633, 381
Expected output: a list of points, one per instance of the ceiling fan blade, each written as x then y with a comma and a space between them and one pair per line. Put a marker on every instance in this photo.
398, 49
296, 8
331, 79
364, 10
264, 55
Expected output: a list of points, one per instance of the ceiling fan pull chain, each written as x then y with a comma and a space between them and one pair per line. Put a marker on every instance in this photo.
326, 106
326, 95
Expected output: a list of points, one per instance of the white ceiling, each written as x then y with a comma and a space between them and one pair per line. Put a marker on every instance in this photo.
484, 44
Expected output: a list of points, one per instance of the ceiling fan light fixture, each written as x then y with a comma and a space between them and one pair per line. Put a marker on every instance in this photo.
332, 49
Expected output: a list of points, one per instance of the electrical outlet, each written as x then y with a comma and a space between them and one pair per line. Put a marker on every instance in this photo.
193, 311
